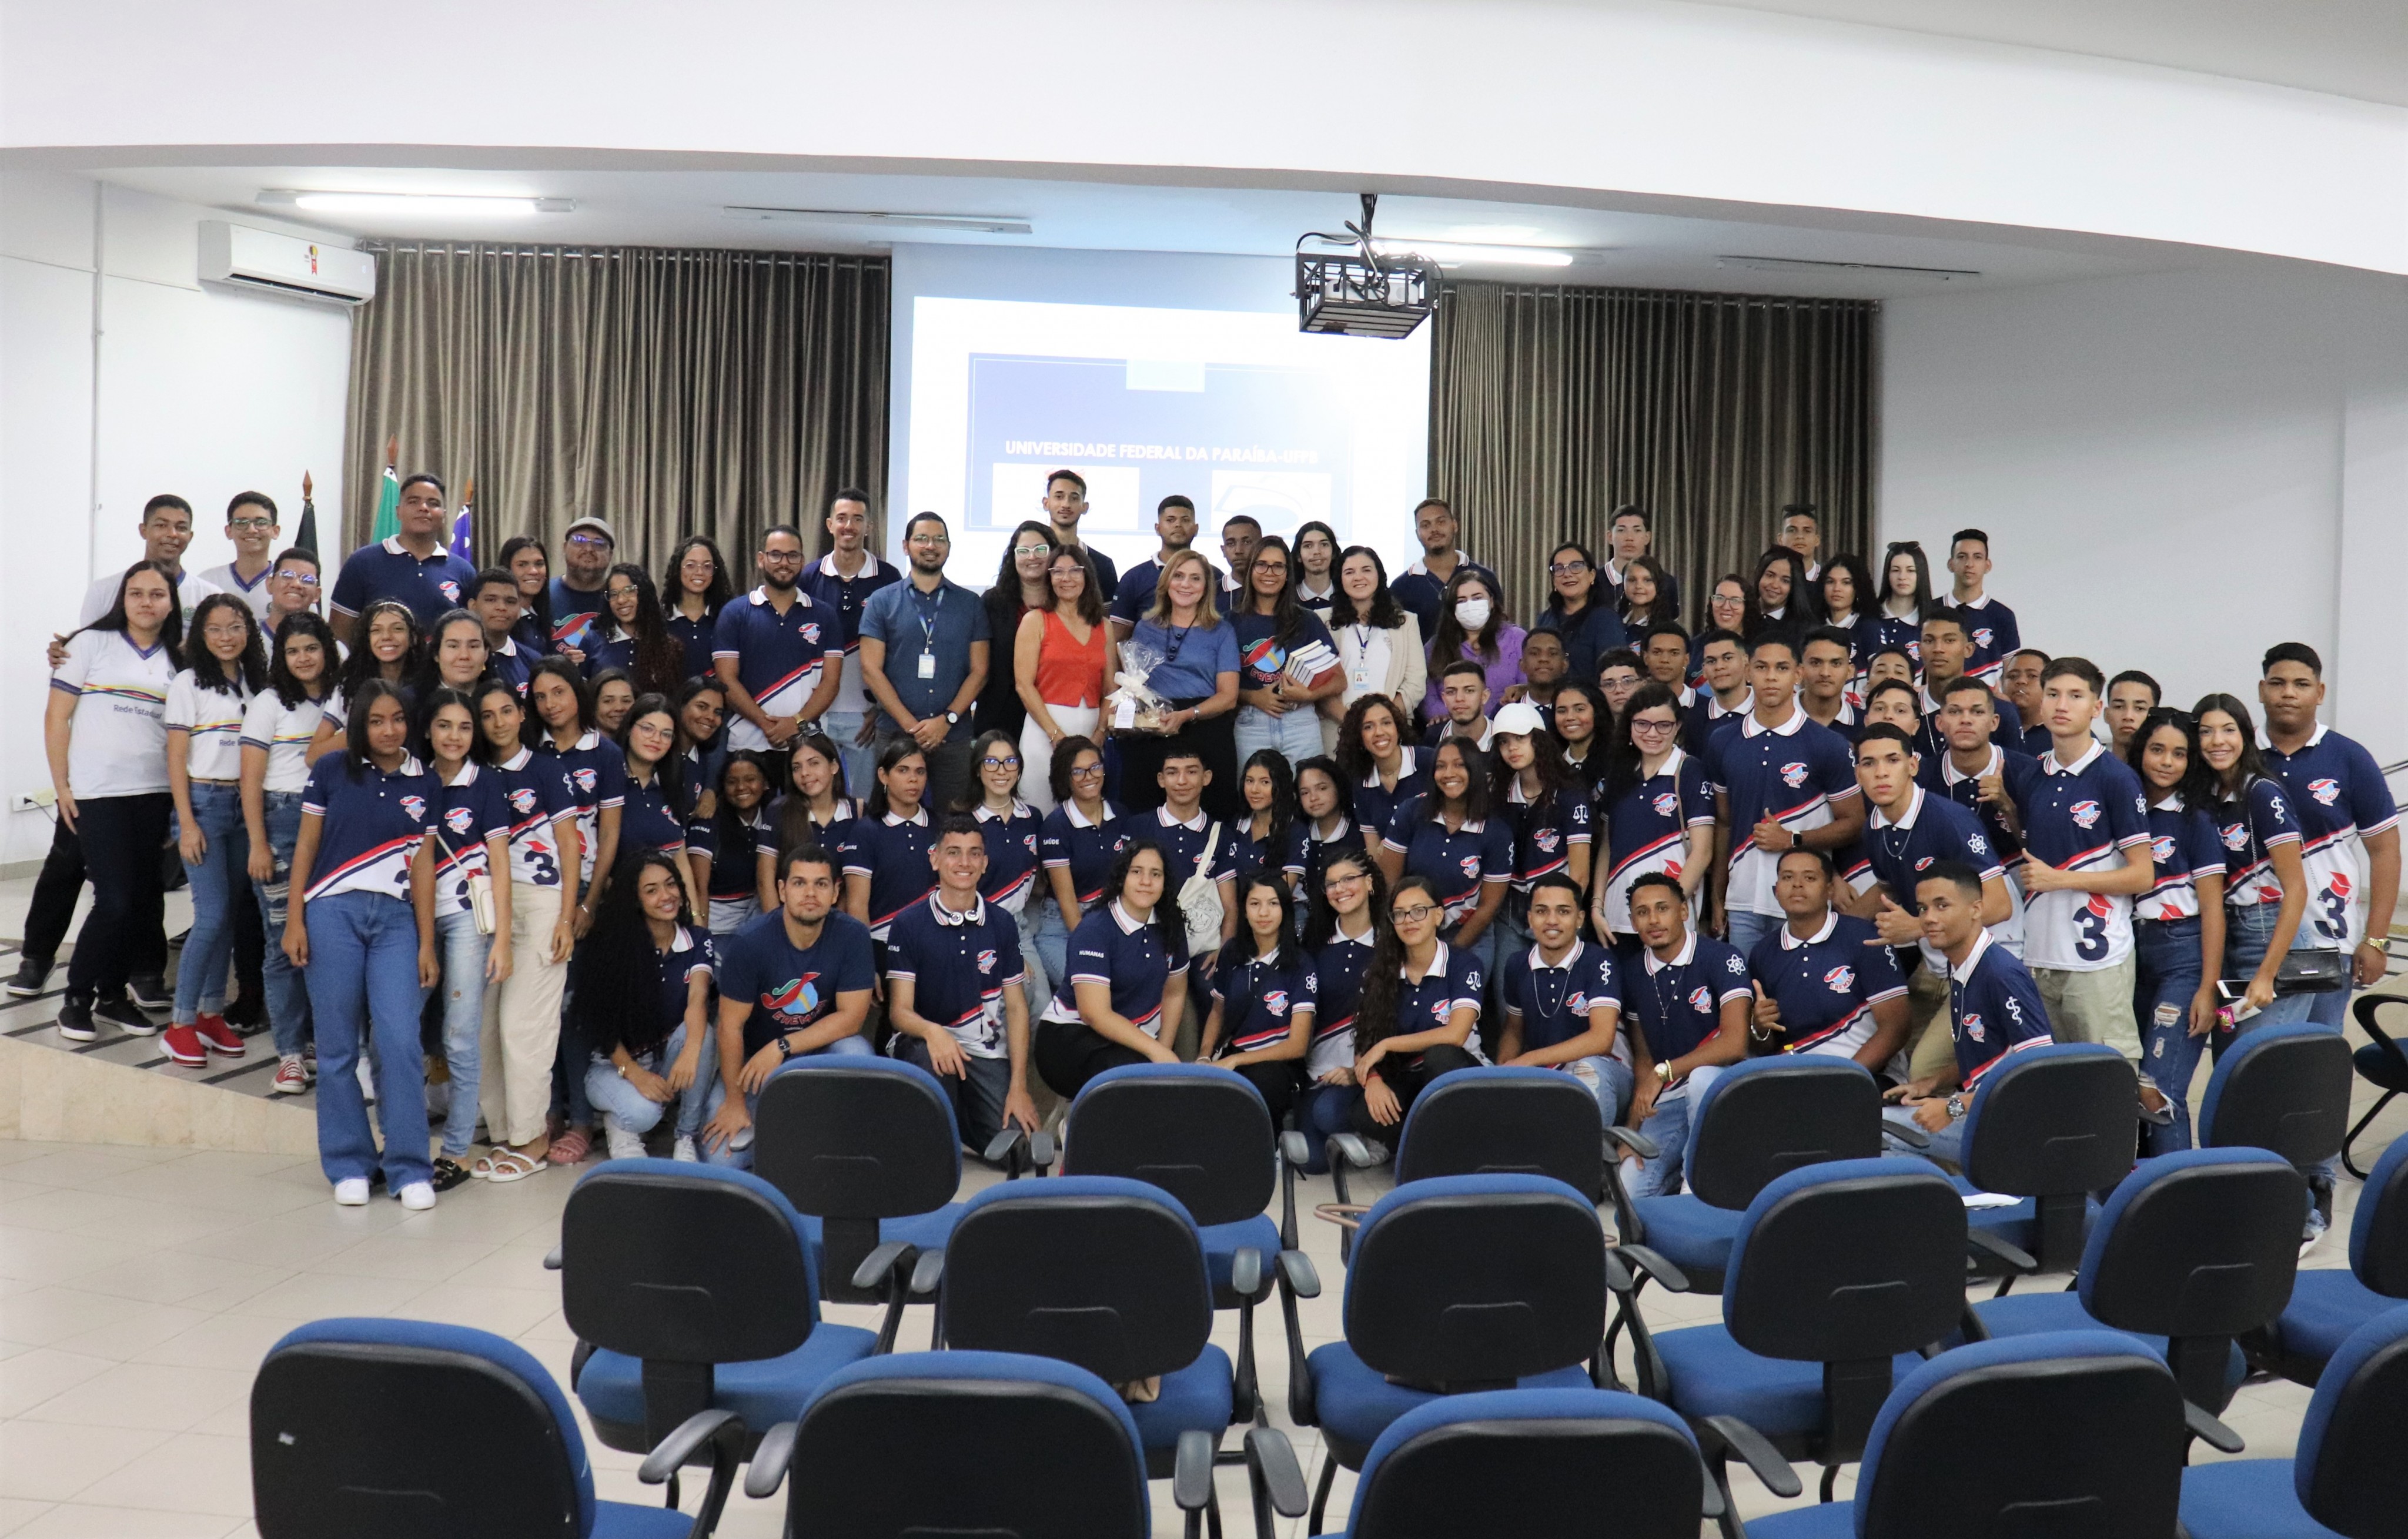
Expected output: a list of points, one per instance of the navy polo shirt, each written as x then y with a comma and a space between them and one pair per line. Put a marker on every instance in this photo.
1318, 853
2249, 825
1827, 985
1793, 773
1679, 1003
778, 657
388, 570
1904, 631
830, 589
792, 987
1544, 833
1011, 855
648, 821
472, 809
1993, 1008
1587, 636
1338, 971
697, 637
1260, 1000
1067, 841
1422, 595
689, 953
1553, 1000
1282, 853
1110, 948
910, 622
2007, 732
596, 773
373, 825
1707, 716
1990, 626
512, 665
1460, 863
892, 853
1647, 829
1182, 845
735, 855
2183, 846
574, 612
2082, 818
1896, 854
2339, 798
1939, 775
618, 652
959, 965
1376, 806
1453, 983
534, 792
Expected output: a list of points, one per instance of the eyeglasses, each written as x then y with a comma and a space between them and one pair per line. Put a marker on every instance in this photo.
226, 633
930, 540
781, 557
1032, 550
1642, 724
589, 541
308, 580
992, 763
1086, 771
616, 593
1567, 568
1336, 880
1274, 565
698, 564
251, 524
1413, 915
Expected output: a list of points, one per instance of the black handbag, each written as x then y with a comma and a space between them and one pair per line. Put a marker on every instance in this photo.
2305, 972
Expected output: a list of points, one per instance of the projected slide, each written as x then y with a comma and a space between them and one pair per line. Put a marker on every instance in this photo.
1236, 409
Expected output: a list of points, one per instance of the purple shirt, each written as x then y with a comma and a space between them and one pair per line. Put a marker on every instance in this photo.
1503, 674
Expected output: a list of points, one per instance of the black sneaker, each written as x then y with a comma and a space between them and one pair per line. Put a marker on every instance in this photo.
246, 1015
125, 1016
75, 1020
150, 992
30, 975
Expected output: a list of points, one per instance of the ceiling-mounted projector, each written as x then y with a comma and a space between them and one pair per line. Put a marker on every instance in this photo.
1361, 293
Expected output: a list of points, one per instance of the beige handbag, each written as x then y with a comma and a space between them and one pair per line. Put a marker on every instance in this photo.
480, 886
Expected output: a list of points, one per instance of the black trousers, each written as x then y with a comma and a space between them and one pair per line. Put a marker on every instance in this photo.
1069, 1056
1280, 1082
122, 838
1214, 737
1406, 1079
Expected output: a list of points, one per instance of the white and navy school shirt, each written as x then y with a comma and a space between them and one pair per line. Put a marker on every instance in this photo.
1110, 948
1376, 805
1896, 854
597, 774
1793, 773
648, 821
1553, 999
430, 585
2008, 731
283, 732
1543, 835
778, 657
1990, 626
1939, 775
1647, 829
1680, 1003
513, 664
892, 851
1282, 856
471, 811
959, 965
1011, 855
1826, 984
533, 794
1452, 983
2183, 846
1337, 973
688, 953
372, 826
211, 722
118, 745
1904, 631
1260, 1000
1067, 841
1993, 1008
1706, 716
844, 596
2082, 818
1458, 863
1182, 847
1318, 851
2339, 798
2249, 827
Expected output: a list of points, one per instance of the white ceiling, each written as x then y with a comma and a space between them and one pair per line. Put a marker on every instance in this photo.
1616, 246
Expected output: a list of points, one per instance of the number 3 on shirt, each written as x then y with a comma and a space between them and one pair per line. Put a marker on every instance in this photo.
2090, 934
2333, 922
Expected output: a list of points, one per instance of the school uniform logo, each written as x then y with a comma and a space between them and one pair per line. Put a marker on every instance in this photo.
1266, 658
448, 589
1983, 636
1924, 862
1974, 1029
586, 777
1030, 841
1702, 1000
415, 806
795, 1001
1975, 843
1841, 979
1793, 774
1546, 839
523, 799
2235, 836
2161, 850
1734, 963
986, 960
1471, 865
2276, 802
459, 820
1275, 1000
1666, 803
2085, 814
2326, 789
811, 632
2014, 1010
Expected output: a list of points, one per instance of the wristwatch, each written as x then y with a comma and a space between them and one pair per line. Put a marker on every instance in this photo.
1956, 1107
785, 1047
952, 718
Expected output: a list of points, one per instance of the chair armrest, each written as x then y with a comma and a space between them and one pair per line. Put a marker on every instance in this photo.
1351, 1146
1271, 1458
2205, 1428
770, 1460
927, 1274
1984, 1239
999, 1148
678, 1450
1246, 1272
1906, 1133
1667, 1276
1710, 1505
1041, 1150
891, 1257
1296, 1270
552, 1259
1761, 1456
1634, 1141
1296, 1149
1191, 1479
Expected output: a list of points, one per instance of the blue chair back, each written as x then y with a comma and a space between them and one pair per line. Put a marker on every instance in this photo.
380, 1428
1198, 1132
851, 1140
1093, 1270
1474, 1281
1853, 1260
2378, 1236
2348, 1472
1504, 1121
1048, 1451
1764, 1117
2053, 1119
2280, 1087
1531, 1461
2075, 1435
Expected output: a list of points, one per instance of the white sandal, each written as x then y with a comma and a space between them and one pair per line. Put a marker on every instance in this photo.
509, 1165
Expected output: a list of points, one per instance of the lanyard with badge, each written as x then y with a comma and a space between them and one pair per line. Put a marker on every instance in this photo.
928, 631
1362, 645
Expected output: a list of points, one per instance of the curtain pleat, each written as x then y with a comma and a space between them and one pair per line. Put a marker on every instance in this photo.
1551, 407
670, 392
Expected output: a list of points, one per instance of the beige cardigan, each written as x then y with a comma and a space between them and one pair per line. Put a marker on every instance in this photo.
1407, 675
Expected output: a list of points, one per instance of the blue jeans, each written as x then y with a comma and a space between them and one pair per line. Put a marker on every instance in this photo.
1295, 735
1746, 930
1051, 939
1609, 1080
1320, 1115
855, 1045
463, 951
860, 763
288, 996
2246, 930
1674, 1131
2164, 983
1947, 1144
618, 1097
217, 882
363, 990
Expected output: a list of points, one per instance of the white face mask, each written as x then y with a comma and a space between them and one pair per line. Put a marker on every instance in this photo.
1471, 613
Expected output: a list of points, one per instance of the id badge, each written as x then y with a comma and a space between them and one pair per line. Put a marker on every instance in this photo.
1362, 678
927, 665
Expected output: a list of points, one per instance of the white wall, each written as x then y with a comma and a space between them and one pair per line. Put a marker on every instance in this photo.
2177, 471
200, 392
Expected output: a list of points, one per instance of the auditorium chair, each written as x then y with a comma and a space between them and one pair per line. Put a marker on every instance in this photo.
1460, 1283
1533, 1462
1843, 1273
2328, 1302
2051, 1126
2070, 1434
2192, 1250
380, 1429
2284, 1089
2380, 1063
689, 1288
1204, 1134
2347, 1478
973, 1443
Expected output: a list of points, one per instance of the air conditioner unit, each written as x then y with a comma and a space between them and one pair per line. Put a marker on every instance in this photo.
283, 264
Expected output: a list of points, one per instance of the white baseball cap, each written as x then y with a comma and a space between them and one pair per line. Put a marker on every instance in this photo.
1521, 718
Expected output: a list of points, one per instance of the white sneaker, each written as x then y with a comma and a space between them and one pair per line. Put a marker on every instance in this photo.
685, 1152
624, 1144
418, 1196
352, 1193
367, 1081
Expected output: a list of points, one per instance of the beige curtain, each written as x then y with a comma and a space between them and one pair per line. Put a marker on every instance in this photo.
670, 392
1551, 407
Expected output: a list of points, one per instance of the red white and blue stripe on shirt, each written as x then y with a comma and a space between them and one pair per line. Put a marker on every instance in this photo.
372, 826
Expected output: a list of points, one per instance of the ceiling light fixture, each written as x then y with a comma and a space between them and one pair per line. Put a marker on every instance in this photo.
439, 205
1800, 264
977, 224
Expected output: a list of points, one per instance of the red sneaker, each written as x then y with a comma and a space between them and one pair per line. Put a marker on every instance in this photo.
220, 1037
184, 1046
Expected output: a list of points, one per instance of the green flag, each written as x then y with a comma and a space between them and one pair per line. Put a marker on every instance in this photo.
388, 514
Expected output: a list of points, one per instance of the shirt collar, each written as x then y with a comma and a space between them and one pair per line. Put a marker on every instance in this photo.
1789, 941
919, 817
1437, 967
2048, 761
507, 649
467, 775
392, 546
1948, 775
2171, 802
1195, 825
988, 815
1688, 954
1981, 603
1345, 830
1749, 726
974, 915
1078, 819
1421, 567
519, 760
682, 940
1571, 957
1716, 710
1914, 811
1329, 592
2315, 738
1973, 957
1121, 917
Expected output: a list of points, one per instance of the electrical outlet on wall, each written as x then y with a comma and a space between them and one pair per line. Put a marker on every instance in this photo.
33, 801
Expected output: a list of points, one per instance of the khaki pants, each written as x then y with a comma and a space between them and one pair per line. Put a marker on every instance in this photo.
1930, 1037
2092, 1006
522, 1029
